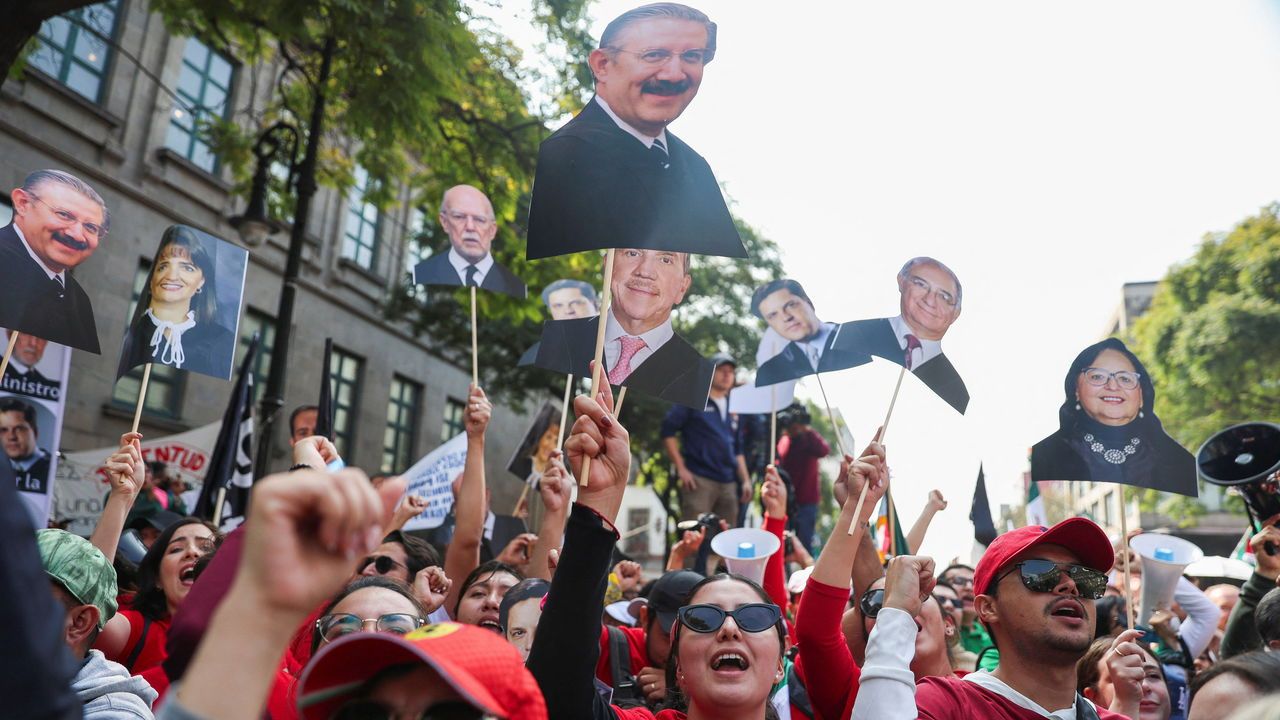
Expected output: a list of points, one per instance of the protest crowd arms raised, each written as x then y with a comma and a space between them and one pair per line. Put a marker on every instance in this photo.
324, 593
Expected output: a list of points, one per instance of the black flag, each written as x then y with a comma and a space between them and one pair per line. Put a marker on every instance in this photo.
324, 415
984, 530
231, 463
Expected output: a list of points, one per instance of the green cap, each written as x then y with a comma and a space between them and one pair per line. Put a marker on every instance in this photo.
81, 568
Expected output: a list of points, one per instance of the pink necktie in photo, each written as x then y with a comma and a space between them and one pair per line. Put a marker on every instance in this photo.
630, 346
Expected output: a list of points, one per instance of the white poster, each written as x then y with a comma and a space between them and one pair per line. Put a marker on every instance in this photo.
82, 480
32, 401
432, 478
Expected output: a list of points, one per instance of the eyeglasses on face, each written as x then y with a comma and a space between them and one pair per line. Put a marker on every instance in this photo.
752, 617
1044, 576
382, 564
66, 216
961, 580
662, 56
461, 218
925, 287
373, 710
1098, 377
953, 603
332, 627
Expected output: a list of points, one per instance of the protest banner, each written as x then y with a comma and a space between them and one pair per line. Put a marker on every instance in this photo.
32, 404
432, 478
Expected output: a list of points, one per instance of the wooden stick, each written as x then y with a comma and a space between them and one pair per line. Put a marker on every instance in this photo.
475, 362
1124, 547
217, 508
862, 497
142, 396
564, 411
617, 407
523, 494
773, 422
832, 416
606, 298
8, 353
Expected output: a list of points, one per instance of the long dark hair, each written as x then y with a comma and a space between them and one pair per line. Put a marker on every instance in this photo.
150, 600
1069, 416
205, 303
676, 699
360, 583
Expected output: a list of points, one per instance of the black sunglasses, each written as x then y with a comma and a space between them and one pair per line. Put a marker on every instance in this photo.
871, 602
1044, 576
382, 564
955, 603
373, 710
752, 618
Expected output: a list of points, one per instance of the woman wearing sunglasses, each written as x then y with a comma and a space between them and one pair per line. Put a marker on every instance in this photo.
728, 641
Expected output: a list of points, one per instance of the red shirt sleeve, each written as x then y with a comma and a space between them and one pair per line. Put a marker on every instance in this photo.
831, 677
635, 644
775, 581
818, 446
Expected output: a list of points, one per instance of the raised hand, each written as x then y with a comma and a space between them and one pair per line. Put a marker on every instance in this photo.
687, 547
598, 434
556, 487
871, 470
518, 550
431, 587
479, 410
774, 494
936, 501
127, 470
317, 451
630, 576
1124, 662
909, 582
410, 507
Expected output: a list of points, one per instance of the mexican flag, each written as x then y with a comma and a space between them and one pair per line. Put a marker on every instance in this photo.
1035, 505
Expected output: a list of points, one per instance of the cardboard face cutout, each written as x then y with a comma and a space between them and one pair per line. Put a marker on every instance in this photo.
533, 456
189, 311
796, 343
598, 186
565, 299
641, 348
59, 221
467, 218
1108, 430
930, 297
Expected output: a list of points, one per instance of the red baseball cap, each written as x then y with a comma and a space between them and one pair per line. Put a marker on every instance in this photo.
1081, 536
480, 665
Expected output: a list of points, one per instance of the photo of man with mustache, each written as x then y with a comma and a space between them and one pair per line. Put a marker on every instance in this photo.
641, 349
58, 223
930, 302
613, 176
467, 217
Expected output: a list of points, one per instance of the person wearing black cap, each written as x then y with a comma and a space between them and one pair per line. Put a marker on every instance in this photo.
708, 457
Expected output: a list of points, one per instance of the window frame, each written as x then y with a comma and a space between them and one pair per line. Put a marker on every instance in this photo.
193, 136
457, 424
266, 346
345, 439
403, 433
69, 59
356, 195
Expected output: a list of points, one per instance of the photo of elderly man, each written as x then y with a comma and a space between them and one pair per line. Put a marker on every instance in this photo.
58, 223
467, 217
641, 349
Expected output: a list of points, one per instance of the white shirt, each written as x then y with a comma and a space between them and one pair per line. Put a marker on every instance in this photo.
928, 350
814, 345
648, 141
61, 277
887, 687
653, 340
460, 264
722, 406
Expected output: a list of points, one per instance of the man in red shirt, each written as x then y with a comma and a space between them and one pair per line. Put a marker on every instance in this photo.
1035, 591
799, 451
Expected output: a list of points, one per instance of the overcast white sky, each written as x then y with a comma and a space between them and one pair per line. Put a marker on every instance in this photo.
1047, 152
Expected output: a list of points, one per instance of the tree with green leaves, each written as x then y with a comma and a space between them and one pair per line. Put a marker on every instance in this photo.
1210, 338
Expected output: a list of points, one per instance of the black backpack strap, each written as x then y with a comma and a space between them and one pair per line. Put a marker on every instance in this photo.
142, 643
626, 693
798, 695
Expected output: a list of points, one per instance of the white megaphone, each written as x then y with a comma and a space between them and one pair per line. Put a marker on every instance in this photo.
746, 550
1164, 557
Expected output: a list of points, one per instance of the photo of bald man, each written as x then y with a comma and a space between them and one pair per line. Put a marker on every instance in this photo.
468, 219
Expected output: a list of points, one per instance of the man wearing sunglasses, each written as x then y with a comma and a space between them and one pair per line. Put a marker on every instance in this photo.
1035, 591
58, 222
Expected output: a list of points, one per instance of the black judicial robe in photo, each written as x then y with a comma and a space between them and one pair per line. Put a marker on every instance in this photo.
36, 305
877, 337
208, 348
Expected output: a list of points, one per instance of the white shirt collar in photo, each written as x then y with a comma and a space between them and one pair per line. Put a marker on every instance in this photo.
460, 264
648, 141
813, 346
653, 340
59, 276
24, 464
929, 349
989, 682
18, 367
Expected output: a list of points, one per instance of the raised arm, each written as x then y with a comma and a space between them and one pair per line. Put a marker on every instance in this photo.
556, 487
463, 554
932, 507
887, 688
1241, 634
774, 496
127, 473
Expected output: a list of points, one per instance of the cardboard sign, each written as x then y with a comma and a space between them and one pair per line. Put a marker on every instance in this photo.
59, 221
189, 312
796, 343
1108, 430
533, 456
31, 410
565, 299
468, 218
432, 478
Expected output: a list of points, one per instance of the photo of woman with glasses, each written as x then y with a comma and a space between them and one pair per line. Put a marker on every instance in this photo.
181, 320
1109, 431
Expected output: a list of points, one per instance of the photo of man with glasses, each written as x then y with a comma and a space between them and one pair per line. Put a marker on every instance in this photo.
58, 223
931, 296
468, 219
614, 176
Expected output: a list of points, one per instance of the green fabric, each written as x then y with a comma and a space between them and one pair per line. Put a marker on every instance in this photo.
975, 639
80, 568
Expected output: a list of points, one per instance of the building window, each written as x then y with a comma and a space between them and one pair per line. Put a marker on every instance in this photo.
416, 248
344, 373
164, 389
204, 87
637, 543
454, 410
6, 211
402, 425
265, 326
360, 239
73, 48
1108, 517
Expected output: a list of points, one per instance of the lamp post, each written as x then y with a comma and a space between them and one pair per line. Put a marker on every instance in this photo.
256, 224
273, 396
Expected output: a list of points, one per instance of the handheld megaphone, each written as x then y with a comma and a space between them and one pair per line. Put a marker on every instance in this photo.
1245, 457
1163, 557
746, 550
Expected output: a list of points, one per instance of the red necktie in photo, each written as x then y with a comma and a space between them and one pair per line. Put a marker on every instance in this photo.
913, 343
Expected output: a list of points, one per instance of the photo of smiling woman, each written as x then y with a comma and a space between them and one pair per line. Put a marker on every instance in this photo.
189, 308
1109, 431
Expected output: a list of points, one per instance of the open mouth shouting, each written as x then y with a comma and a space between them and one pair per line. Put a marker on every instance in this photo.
490, 622
1069, 610
729, 662
187, 575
